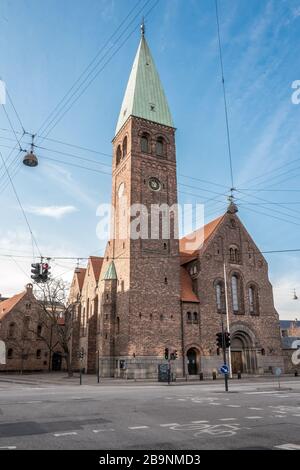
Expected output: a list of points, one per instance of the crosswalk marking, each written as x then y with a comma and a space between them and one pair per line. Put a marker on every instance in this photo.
138, 427
65, 434
227, 419
253, 417
289, 447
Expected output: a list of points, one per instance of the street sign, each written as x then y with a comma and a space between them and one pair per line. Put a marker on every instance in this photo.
224, 369
278, 371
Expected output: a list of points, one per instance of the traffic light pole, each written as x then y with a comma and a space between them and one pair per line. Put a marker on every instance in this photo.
224, 356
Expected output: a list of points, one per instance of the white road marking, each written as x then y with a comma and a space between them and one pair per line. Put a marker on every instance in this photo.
202, 421
259, 393
234, 406
257, 409
65, 434
138, 427
253, 417
181, 399
102, 430
296, 415
289, 447
8, 447
217, 404
227, 419
279, 416
169, 424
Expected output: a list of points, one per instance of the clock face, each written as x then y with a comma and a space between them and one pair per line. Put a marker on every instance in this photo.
121, 189
154, 184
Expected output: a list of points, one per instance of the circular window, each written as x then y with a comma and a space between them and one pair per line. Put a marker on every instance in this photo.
121, 189
154, 184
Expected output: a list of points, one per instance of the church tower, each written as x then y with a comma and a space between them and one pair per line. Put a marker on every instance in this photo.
147, 313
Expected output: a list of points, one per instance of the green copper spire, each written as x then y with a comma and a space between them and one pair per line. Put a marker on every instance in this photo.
111, 273
144, 96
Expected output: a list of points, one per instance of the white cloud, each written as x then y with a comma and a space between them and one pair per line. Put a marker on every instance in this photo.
284, 284
56, 212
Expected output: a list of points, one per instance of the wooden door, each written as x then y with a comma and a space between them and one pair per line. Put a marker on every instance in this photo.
236, 361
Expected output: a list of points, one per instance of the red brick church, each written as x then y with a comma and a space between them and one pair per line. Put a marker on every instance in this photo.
148, 294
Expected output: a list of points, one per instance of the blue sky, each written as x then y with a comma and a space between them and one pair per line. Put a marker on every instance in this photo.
46, 45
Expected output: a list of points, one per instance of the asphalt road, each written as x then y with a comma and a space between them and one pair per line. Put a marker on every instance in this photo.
253, 415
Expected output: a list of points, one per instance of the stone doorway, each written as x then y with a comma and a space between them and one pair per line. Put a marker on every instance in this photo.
56, 361
192, 361
243, 353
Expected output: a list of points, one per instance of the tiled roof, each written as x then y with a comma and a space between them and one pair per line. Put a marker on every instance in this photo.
96, 263
199, 238
286, 324
187, 293
80, 273
7, 305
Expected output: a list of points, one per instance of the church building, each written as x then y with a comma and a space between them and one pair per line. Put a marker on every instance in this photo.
146, 295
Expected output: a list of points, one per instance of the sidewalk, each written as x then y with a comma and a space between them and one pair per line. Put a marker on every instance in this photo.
61, 378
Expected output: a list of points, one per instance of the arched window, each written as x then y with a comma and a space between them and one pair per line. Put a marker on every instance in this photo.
119, 154
189, 317
237, 294
253, 300
234, 254
195, 317
220, 297
39, 331
11, 330
38, 354
26, 323
10, 353
125, 146
160, 147
145, 143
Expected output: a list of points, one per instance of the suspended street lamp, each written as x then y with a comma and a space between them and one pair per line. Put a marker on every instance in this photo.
30, 158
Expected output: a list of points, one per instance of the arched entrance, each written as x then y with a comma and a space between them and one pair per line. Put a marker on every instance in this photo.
192, 361
243, 353
56, 361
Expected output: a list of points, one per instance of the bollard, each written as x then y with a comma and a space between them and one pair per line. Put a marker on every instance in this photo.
201, 376
214, 375
296, 373
239, 374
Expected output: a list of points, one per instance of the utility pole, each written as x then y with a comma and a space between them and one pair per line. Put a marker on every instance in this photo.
227, 318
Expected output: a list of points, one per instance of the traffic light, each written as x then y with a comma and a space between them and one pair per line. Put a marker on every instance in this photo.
227, 339
167, 353
219, 339
175, 354
45, 272
36, 272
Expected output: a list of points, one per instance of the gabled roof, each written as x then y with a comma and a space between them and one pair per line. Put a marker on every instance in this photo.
191, 245
96, 262
80, 274
187, 293
7, 305
144, 96
111, 273
286, 324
